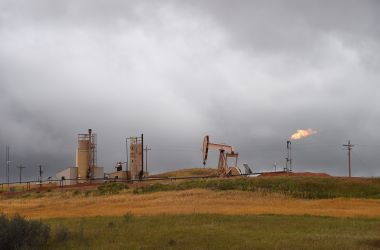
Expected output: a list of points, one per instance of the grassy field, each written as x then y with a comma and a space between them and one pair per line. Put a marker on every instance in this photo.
285, 195
233, 213
297, 187
231, 202
216, 232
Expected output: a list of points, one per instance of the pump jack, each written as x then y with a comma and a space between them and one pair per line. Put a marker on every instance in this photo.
225, 152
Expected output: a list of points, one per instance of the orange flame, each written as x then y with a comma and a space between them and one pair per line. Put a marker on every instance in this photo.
301, 133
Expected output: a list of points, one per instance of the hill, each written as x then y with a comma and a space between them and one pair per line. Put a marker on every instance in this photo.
288, 212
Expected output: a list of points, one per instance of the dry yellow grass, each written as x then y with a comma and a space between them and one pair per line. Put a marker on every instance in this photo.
186, 202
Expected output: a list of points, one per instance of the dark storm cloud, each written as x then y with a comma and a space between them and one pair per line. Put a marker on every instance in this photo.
249, 73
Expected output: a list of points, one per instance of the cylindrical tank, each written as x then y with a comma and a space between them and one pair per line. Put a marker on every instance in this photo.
83, 158
135, 159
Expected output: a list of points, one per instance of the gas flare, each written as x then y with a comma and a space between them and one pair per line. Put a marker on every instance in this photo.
301, 133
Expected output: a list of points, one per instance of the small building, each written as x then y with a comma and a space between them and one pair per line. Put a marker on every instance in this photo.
118, 175
98, 173
68, 176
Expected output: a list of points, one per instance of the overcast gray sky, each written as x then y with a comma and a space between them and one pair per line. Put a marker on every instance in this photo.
248, 73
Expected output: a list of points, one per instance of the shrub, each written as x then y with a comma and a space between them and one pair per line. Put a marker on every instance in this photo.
87, 193
62, 234
128, 217
172, 242
112, 188
19, 233
76, 192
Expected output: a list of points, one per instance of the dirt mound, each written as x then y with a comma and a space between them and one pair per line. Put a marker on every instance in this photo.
304, 174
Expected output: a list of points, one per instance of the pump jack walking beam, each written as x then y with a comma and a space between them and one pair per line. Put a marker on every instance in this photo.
225, 152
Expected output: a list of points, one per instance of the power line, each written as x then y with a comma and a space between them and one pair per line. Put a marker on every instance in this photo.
366, 145
359, 159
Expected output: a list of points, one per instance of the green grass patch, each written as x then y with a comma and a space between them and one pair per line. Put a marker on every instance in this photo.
112, 188
189, 172
201, 231
298, 187
104, 189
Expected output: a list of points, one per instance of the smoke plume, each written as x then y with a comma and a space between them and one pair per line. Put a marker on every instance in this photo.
301, 133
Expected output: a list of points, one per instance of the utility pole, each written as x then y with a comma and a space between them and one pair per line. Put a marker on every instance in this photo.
41, 172
146, 157
142, 157
20, 167
349, 147
8, 162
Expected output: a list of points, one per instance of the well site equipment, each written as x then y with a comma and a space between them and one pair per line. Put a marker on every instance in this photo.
86, 155
86, 169
225, 152
135, 157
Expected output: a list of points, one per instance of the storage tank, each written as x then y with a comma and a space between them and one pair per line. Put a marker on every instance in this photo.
83, 158
135, 164
136, 159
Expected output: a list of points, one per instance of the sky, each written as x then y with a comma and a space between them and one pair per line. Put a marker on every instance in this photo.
246, 73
